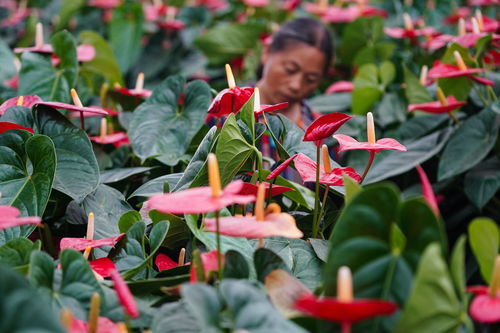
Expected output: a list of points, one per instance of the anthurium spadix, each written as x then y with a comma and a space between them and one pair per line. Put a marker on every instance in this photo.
138, 90
26, 101
344, 309
40, 46
442, 105
440, 70
203, 199
117, 139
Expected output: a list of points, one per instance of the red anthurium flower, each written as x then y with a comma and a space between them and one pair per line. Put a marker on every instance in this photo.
344, 309
340, 86
202, 199
84, 53
230, 100
408, 31
440, 70
327, 176
274, 223
427, 191
373, 11
102, 266
117, 139
492, 57
110, 112
482, 2
170, 23
485, 23
457, 14
152, 12
80, 244
5, 126
163, 262
26, 101
485, 307
13, 82
77, 106
438, 106
252, 189
9, 217
325, 126
124, 295
213, 5
209, 261
276, 172
138, 91
289, 5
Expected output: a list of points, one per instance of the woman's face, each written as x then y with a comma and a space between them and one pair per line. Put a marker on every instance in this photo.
291, 74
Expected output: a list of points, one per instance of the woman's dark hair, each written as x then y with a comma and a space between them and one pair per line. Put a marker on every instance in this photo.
305, 30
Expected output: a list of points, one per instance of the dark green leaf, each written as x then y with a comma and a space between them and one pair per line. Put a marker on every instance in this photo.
17, 252
204, 303
115, 175
266, 261
325, 104
482, 182
8, 69
469, 144
77, 172
128, 219
235, 266
415, 92
320, 247
41, 270
155, 186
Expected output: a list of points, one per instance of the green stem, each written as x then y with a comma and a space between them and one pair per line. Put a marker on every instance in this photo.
323, 203
270, 195
219, 258
315, 227
492, 93
368, 165
454, 118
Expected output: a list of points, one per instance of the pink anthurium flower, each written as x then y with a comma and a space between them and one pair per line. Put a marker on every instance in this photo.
104, 325
110, 112
482, 2
485, 23
80, 244
5, 126
256, 3
26, 101
252, 189
325, 126
9, 217
485, 307
440, 70
336, 14
210, 263
170, 22
427, 191
457, 14
138, 91
230, 100
74, 107
274, 223
104, 4
344, 309
17, 13
84, 53
373, 146
442, 105
124, 295
327, 176
117, 139
102, 266
340, 86
40, 46
203, 199
152, 12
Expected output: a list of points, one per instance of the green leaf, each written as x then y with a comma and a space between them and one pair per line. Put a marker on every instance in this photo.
175, 317
382, 265
320, 247
390, 110
359, 33
77, 172
484, 238
482, 182
433, 305
198, 162
8, 70
155, 186
392, 163
457, 267
306, 265
338, 102
235, 266
225, 42
19, 115
39, 77
374, 54
267, 261
41, 270
24, 309
366, 89
27, 168
387, 73
68, 9
125, 33
415, 92
141, 287
232, 150
118, 174
178, 232
469, 144
459, 87
204, 303
351, 188
104, 62
162, 129
128, 219
108, 205
17, 252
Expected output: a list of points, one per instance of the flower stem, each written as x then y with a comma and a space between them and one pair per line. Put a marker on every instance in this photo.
454, 118
346, 327
315, 226
323, 203
269, 196
368, 165
219, 259
491, 92
82, 121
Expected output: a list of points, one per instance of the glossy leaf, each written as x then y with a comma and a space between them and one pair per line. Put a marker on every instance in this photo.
469, 144
162, 129
484, 238
156, 185
482, 182
367, 89
118, 174
415, 92
267, 261
73, 151
17, 252
235, 266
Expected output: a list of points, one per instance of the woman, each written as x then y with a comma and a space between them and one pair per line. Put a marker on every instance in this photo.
293, 66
